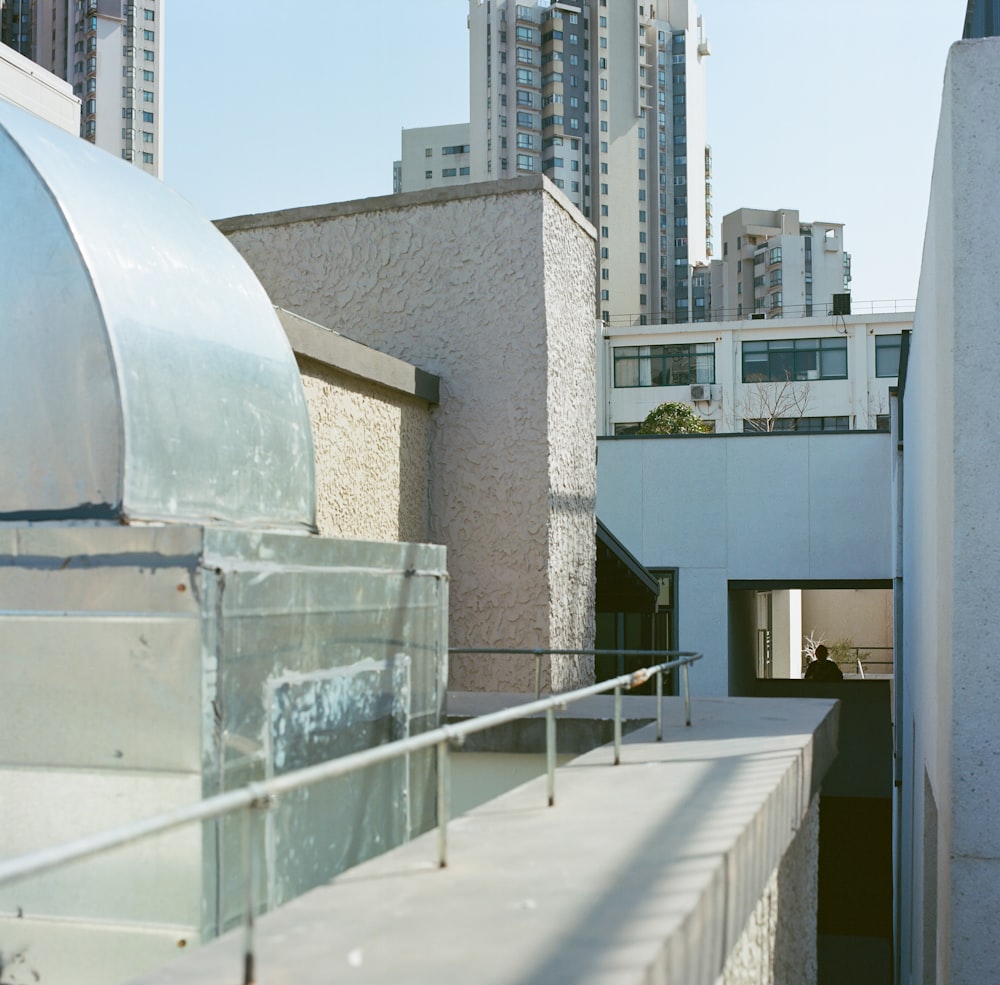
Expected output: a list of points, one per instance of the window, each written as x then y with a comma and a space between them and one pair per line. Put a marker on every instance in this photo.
775, 255
463, 171
802, 424
148, 55
524, 34
525, 77
147, 96
605, 296
148, 35
525, 163
526, 140
604, 210
449, 172
605, 274
147, 137
454, 149
147, 158
881, 422
428, 174
887, 355
524, 55
795, 359
428, 152
664, 365
523, 98
147, 117
147, 75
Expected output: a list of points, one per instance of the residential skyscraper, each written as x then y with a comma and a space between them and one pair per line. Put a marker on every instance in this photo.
110, 52
607, 98
773, 265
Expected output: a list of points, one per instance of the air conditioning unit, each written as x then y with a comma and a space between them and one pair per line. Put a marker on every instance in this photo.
701, 391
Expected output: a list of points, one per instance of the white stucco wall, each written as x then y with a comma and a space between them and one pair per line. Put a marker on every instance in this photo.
950, 841
491, 288
747, 508
372, 451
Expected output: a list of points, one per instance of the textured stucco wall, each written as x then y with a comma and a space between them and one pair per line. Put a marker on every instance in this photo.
491, 288
372, 451
778, 943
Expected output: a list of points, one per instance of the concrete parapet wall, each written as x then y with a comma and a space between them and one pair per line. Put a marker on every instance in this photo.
693, 862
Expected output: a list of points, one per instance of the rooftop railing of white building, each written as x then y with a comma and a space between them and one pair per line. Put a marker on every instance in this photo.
821, 309
257, 798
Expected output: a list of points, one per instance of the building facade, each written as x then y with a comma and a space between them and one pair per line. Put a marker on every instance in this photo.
607, 100
434, 156
110, 51
774, 265
792, 374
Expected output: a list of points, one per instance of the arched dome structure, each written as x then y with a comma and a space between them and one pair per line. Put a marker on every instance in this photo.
144, 375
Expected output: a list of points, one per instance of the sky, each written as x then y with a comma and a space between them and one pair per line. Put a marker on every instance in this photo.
827, 107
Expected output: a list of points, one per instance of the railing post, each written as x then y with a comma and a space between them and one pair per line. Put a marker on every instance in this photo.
250, 902
550, 753
443, 805
659, 706
250, 827
618, 724
538, 674
687, 694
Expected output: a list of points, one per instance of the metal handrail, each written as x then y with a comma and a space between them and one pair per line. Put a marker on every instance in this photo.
818, 309
261, 795
538, 654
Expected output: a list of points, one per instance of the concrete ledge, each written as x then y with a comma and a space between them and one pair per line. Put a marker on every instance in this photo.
406, 200
643, 873
309, 339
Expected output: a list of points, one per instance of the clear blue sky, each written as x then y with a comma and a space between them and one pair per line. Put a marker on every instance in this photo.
827, 107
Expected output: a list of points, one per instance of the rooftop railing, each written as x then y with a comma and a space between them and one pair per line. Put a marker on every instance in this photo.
256, 798
819, 309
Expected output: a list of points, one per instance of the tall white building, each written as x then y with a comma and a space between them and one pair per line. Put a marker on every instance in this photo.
607, 98
110, 51
774, 265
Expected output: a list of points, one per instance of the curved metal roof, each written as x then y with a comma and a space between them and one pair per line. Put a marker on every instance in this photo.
144, 373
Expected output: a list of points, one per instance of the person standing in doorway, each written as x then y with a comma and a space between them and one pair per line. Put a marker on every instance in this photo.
823, 668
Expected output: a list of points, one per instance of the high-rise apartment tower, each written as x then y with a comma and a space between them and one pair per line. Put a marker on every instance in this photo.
775, 265
110, 52
607, 98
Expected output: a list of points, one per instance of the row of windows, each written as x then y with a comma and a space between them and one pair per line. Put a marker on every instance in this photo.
774, 361
811, 425
664, 365
447, 172
795, 359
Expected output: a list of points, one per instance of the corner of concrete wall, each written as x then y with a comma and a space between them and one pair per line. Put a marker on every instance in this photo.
952, 548
482, 286
570, 277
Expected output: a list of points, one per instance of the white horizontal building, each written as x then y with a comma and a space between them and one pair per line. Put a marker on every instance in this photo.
791, 374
